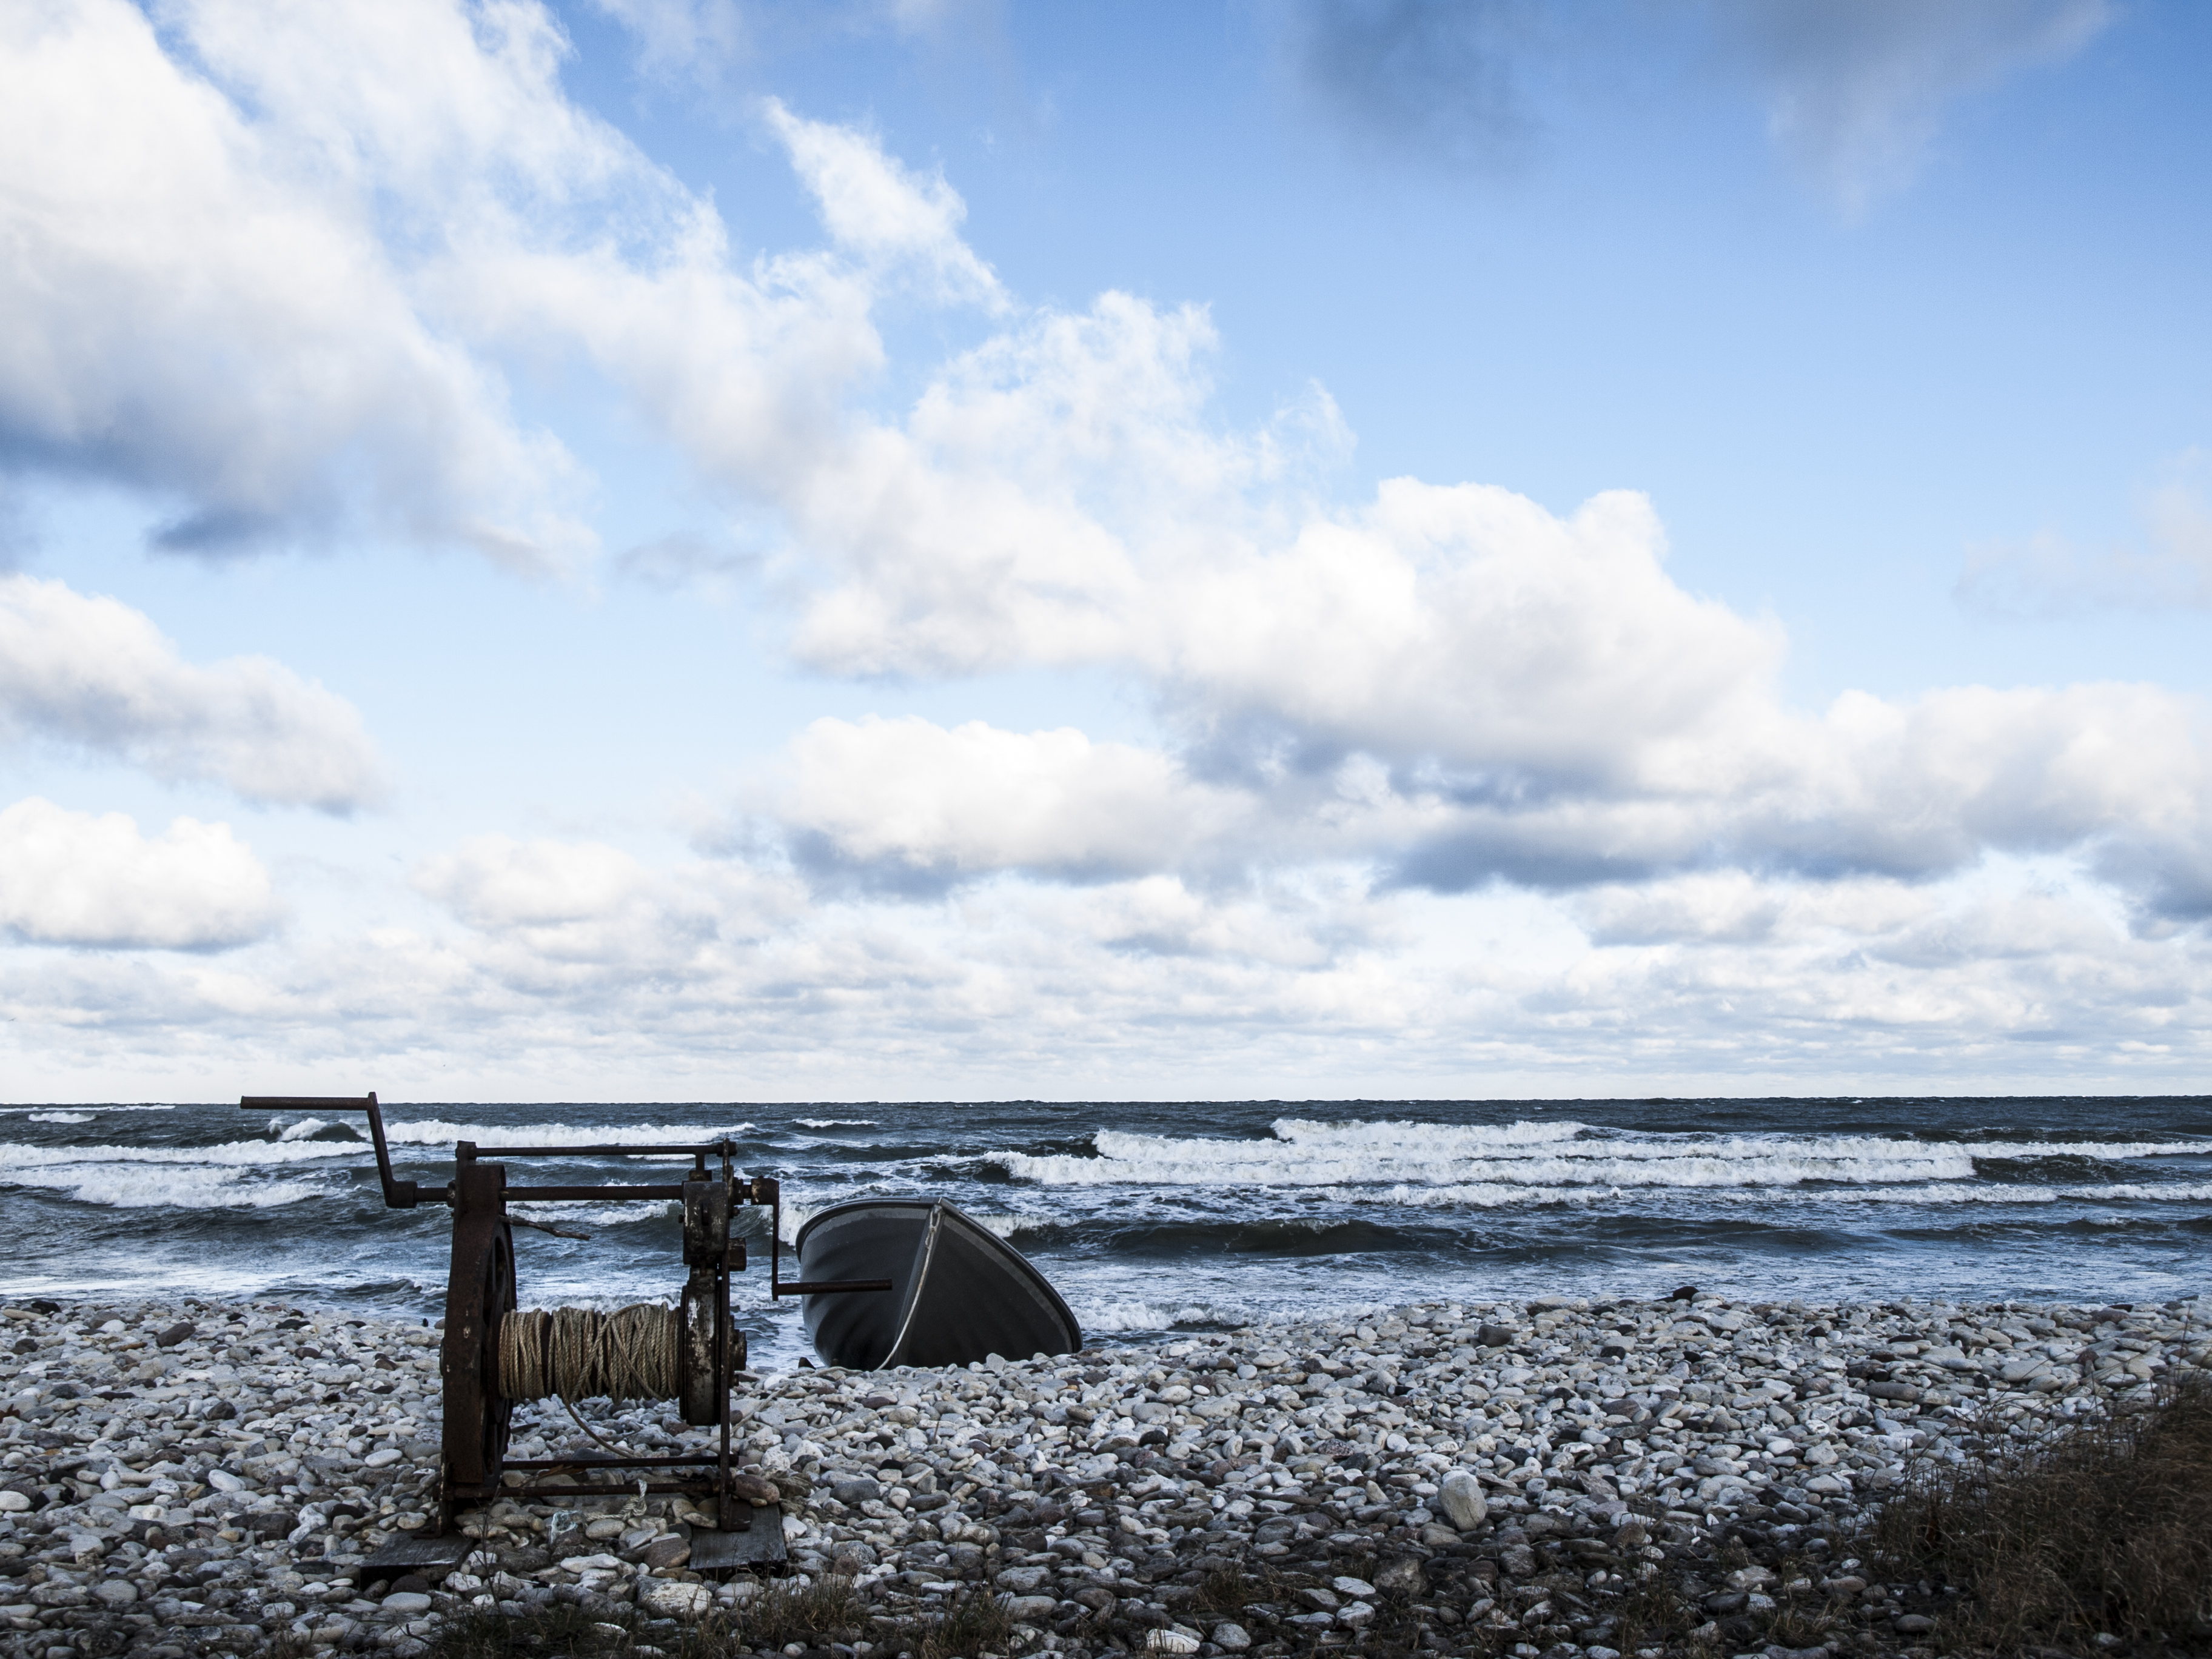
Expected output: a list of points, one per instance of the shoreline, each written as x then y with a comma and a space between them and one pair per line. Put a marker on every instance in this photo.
270, 1448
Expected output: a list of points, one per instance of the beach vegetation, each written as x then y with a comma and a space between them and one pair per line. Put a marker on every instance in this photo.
2100, 1534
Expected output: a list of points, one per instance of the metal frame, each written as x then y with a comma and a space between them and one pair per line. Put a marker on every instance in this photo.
481, 1291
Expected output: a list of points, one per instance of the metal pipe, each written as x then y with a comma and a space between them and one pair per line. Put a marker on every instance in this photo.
595, 1192
595, 1462
830, 1287
710, 1149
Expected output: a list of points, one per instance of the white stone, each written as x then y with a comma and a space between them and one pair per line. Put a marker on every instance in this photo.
382, 1458
1169, 1641
675, 1599
602, 1562
224, 1480
14, 1503
1231, 1638
407, 1604
1459, 1495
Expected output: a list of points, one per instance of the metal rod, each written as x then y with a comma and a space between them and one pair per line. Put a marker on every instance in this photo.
595, 1192
599, 1152
595, 1462
830, 1287
722, 1516
546, 1488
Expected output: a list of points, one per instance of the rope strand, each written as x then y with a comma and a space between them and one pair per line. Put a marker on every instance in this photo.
579, 1353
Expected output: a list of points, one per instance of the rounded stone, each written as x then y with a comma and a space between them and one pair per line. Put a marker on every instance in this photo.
1459, 1495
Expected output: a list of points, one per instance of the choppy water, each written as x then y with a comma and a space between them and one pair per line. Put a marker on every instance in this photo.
1153, 1217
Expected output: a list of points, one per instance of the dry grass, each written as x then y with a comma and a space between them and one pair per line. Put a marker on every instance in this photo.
1648, 1614
1227, 1590
557, 1628
795, 1610
2105, 1529
974, 1621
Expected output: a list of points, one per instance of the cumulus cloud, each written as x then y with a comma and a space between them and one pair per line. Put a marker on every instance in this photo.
562, 912
1856, 90
1458, 687
915, 800
74, 879
91, 672
203, 309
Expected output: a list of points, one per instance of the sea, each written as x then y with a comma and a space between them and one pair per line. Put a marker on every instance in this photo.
1156, 1219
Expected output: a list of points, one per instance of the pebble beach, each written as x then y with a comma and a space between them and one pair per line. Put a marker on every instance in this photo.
188, 1478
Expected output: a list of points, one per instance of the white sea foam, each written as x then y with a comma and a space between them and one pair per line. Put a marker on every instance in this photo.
1487, 1195
97, 1108
138, 1188
1932, 1193
61, 1117
835, 1123
1475, 1160
585, 1212
1139, 1315
231, 1154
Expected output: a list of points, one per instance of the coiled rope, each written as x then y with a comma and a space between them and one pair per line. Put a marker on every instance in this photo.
579, 1353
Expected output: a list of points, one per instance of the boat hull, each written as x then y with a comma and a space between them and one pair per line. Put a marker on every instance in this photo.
959, 1293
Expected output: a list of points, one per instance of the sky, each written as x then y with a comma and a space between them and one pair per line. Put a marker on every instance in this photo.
919, 550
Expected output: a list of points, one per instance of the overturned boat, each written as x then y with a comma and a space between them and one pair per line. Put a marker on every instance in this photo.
959, 1293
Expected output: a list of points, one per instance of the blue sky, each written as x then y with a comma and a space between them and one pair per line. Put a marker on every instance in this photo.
673, 548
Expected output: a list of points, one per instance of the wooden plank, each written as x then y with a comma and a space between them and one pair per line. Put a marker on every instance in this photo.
408, 1549
759, 1546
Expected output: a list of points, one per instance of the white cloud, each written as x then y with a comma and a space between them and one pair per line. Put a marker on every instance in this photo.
92, 673
202, 309
572, 970
875, 207
1456, 686
1858, 89
929, 802
556, 913
74, 879
1737, 907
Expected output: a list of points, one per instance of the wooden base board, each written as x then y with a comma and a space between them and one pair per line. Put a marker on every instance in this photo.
759, 1546
419, 1550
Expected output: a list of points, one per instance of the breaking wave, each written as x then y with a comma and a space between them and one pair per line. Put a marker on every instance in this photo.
140, 1187
1492, 1165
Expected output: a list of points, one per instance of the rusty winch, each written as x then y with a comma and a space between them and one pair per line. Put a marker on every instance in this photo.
495, 1352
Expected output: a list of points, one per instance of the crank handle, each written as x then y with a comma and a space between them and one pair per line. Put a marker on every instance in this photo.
398, 1194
